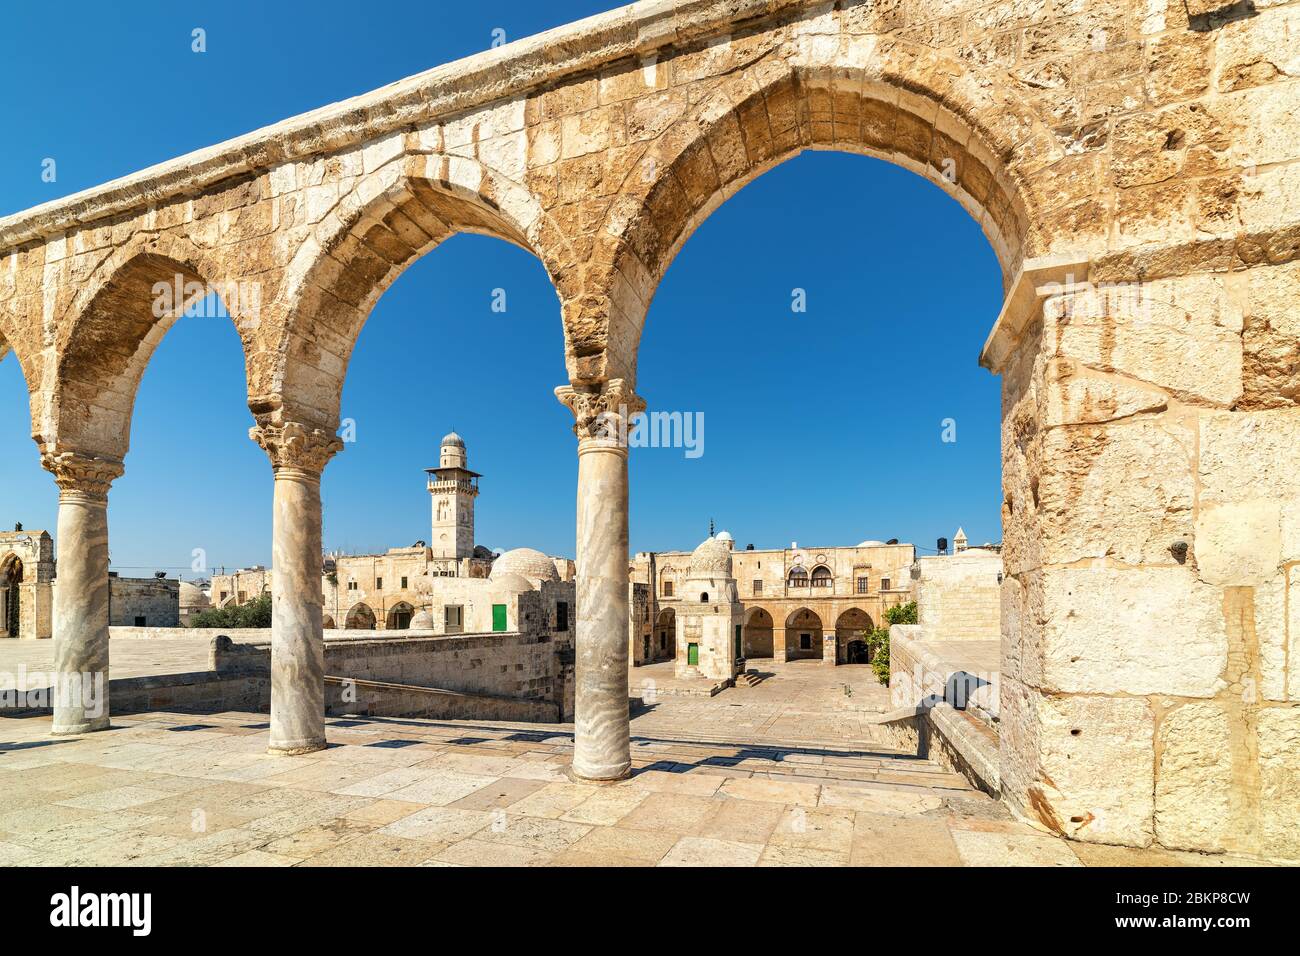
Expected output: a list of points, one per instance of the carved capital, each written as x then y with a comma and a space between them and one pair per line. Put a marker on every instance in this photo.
601, 413
291, 445
85, 474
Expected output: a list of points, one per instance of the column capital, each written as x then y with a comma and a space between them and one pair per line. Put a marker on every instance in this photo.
292, 445
88, 475
601, 410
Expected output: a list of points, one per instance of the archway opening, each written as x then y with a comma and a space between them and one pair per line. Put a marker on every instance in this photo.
852, 630
757, 633
360, 618
11, 579
803, 635
665, 636
399, 616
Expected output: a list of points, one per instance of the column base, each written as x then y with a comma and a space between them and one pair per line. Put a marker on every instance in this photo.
600, 781
296, 748
73, 730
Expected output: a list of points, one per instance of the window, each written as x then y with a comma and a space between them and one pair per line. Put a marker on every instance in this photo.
863, 585
352, 585
453, 618
403, 582
798, 577
561, 615
884, 584
821, 577
498, 617
243, 596
758, 585
379, 584
139, 622
704, 597
224, 595
805, 642
668, 589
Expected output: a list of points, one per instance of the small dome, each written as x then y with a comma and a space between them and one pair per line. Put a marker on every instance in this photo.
451, 438
422, 620
713, 556
870, 543
724, 536
511, 581
191, 596
528, 563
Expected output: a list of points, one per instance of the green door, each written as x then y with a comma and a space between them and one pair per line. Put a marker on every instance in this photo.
693, 655
498, 617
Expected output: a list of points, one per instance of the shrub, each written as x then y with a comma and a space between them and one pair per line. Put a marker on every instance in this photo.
878, 640
256, 613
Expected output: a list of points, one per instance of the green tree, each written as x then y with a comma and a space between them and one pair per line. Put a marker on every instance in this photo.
878, 640
255, 613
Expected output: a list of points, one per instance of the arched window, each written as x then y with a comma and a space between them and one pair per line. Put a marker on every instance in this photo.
821, 577
798, 577
704, 597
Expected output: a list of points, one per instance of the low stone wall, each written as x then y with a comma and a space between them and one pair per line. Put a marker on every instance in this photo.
944, 712
467, 676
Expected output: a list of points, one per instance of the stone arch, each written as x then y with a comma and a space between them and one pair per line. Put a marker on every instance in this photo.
11, 579
756, 634
909, 105
852, 628
803, 634
108, 334
399, 616
667, 583
360, 618
389, 219
821, 577
327, 622
665, 633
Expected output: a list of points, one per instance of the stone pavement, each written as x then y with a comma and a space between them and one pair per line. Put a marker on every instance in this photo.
713, 785
129, 656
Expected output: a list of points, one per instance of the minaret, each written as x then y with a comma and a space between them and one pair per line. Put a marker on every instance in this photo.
453, 488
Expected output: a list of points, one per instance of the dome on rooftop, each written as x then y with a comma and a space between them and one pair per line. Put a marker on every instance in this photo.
713, 556
191, 596
528, 563
451, 438
870, 543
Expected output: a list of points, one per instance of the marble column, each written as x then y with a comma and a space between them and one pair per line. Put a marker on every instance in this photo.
298, 455
81, 666
601, 749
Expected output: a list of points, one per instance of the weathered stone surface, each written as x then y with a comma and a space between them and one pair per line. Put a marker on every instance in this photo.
1279, 767
1194, 778
1133, 631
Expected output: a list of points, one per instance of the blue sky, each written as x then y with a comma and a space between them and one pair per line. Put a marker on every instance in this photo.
822, 426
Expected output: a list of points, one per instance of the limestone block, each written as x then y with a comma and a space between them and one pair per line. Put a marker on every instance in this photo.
1181, 335
1077, 395
1238, 543
1247, 456
1279, 780
1271, 333
1132, 631
1121, 490
1194, 778
1252, 57
1095, 768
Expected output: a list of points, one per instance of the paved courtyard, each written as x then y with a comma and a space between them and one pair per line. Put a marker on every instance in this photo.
729, 780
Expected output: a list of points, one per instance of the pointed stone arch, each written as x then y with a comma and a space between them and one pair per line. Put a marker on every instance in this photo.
391, 217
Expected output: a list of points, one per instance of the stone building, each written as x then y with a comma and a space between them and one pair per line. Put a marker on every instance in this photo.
143, 602
793, 602
26, 579
959, 595
449, 587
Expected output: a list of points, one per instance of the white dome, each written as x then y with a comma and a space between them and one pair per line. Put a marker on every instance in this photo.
712, 557
451, 438
191, 596
870, 543
423, 620
724, 536
528, 563
510, 581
